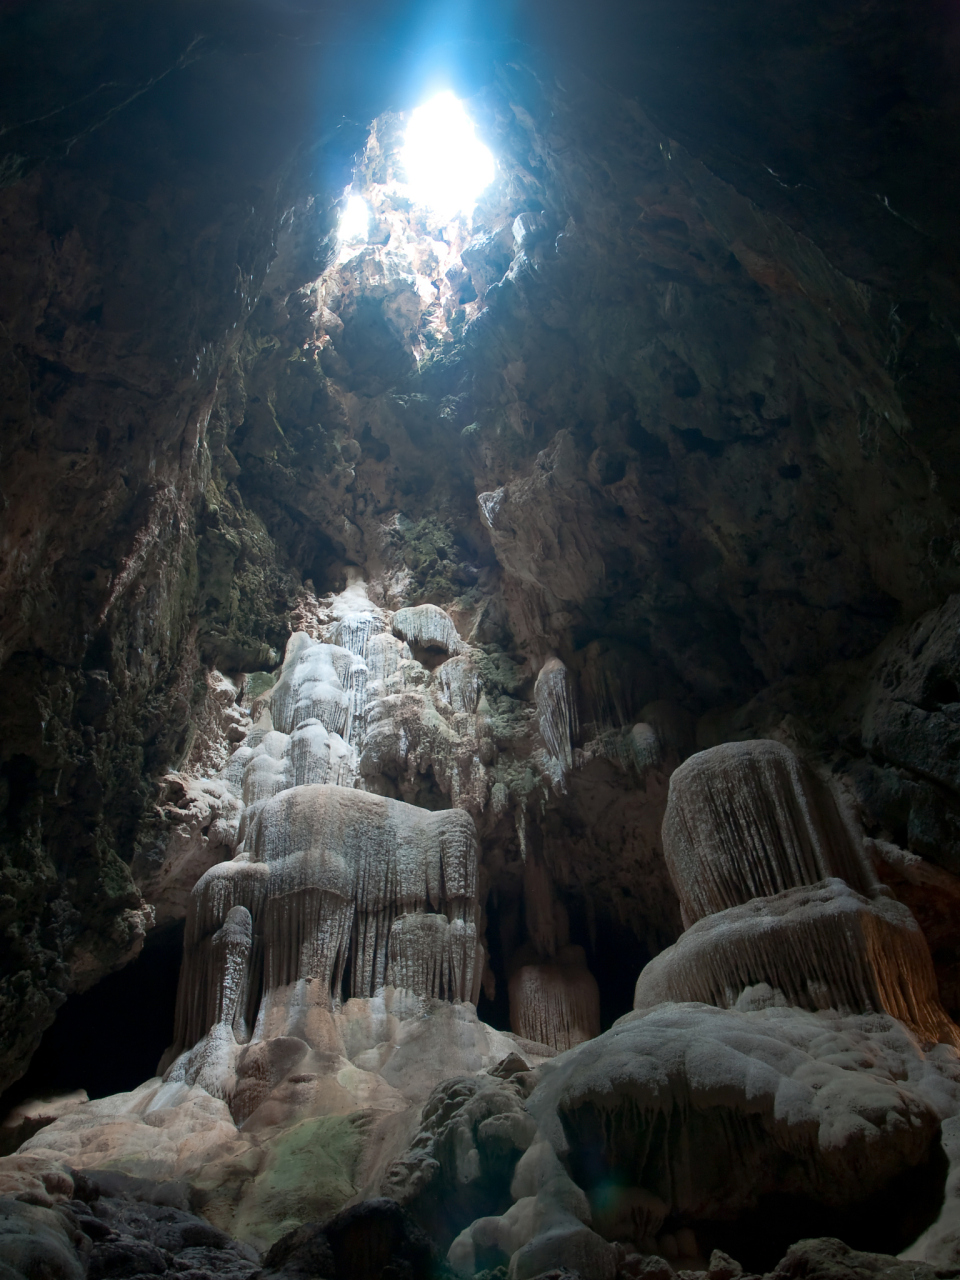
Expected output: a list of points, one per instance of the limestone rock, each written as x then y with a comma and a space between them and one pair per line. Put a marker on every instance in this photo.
834, 1260
308, 1126
819, 947
115, 1226
36, 1241
556, 1002
23, 1120
363, 1243
472, 1131
40, 1180
696, 1114
743, 1089
165, 1132
202, 820
939, 1245
747, 820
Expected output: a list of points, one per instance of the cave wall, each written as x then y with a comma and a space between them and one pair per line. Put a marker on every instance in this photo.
709, 407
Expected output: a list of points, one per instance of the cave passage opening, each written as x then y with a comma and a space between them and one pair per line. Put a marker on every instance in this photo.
447, 167
110, 1038
425, 227
440, 168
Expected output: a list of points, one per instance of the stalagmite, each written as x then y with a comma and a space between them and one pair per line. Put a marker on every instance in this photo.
747, 820
557, 709
230, 950
819, 947
557, 1002
325, 873
700, 1106
780, 904
614, 681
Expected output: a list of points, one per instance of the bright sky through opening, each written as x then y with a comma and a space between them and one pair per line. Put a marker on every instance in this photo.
355, 219
447, 166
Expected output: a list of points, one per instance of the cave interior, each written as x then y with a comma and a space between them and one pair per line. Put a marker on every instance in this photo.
480, 634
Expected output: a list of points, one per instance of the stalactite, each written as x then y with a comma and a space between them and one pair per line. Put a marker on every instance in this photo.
435, 957
546, 919
355, 632
429, 627
747, 820
614, 683
557, 708
461, 684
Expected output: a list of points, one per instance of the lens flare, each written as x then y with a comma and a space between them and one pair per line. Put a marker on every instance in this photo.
447, 166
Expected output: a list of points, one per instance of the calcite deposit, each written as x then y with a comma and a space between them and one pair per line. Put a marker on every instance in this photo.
782, 902
692, 1115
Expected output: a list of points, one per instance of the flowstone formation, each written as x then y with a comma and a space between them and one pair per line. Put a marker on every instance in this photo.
337, 932
786, 1071
332, 963
781, 903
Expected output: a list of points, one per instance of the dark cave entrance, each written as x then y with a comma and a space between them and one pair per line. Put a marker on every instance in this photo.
108, 1039
615, 956
887, 1222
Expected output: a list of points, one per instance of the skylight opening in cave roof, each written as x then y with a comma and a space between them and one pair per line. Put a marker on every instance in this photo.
354, 220
423, 189
447, 167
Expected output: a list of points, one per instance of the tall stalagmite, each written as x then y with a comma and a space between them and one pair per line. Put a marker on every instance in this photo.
782, 906
333, 893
